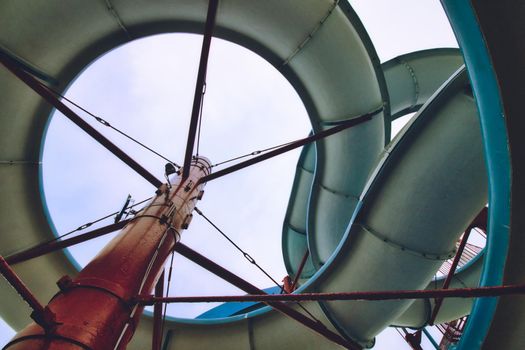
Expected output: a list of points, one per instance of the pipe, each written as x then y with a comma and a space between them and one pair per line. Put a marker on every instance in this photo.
481, 292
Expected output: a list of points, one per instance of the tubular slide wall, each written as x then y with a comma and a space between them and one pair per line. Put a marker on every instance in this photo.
373, 218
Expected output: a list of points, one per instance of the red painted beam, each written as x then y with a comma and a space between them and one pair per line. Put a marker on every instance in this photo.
481, 292
50, 97
53, 246
250, 288
293, 145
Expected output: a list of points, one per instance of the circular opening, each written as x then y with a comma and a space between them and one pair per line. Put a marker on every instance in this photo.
145, 89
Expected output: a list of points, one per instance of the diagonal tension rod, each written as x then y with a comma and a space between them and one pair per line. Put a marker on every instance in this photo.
199, 86
47, 95
240, 283
292, 145
52, 246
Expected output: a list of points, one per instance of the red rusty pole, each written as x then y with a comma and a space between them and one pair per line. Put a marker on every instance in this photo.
95, 310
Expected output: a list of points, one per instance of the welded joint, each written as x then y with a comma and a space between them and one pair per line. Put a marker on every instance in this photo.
304, 169
296, 229
338, 193
371, 114
311, 34
414, 81
430, 256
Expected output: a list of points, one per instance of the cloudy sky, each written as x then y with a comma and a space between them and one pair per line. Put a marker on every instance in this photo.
146, 89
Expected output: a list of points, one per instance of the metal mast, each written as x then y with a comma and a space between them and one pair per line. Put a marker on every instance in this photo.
96, 309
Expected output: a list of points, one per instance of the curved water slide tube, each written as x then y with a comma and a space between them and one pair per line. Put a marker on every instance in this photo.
321, 47
411, 81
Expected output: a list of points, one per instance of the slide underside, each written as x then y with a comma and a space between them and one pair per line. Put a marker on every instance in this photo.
372, 217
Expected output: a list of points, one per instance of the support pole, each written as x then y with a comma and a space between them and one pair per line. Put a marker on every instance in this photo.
96, 309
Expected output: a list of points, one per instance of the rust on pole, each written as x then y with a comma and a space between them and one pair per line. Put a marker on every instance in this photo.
199, 85
250, 288
50, 97
95, 310
53, 246
293, 145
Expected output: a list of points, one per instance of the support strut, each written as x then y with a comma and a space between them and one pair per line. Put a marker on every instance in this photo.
481, 292
250, 288
42, 316
47, 95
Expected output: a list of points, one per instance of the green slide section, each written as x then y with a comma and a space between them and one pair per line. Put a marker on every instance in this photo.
411, 80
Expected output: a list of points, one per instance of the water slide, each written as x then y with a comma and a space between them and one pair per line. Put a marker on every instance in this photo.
398, 238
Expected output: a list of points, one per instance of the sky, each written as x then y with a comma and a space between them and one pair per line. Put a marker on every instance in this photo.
146, 89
